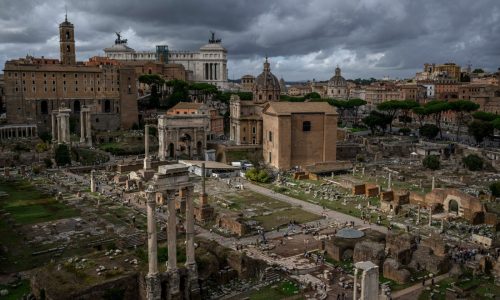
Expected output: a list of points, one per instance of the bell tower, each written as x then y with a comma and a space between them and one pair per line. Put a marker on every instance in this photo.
67, 42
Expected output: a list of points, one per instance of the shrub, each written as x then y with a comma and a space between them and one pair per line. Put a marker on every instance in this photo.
62, 155
258, 176
405, 130
429, 131
495, 189
47, 162
41, 147
431, 162
473, 162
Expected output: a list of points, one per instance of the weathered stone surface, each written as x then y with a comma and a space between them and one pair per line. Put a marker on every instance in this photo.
399, 246
392, 270
424, 258
369, 251
436, 243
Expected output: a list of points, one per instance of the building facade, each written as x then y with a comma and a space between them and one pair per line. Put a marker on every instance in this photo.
208, 64
246, 116
299, 134
183, 131
337, 86
34, 87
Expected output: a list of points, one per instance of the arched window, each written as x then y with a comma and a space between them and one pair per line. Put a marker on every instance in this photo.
44, 107
107, 106
68, 48
306, 126
67, 35
76, 106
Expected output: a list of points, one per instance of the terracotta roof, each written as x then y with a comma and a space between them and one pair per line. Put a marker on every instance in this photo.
187, 105
287, 108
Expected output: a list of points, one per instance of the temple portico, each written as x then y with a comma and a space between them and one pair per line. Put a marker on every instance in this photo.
168, 181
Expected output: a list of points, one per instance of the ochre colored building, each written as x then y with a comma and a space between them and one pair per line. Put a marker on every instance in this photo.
246, 116
299, 134
34, 87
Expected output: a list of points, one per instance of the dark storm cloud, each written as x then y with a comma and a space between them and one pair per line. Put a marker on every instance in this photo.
305, 39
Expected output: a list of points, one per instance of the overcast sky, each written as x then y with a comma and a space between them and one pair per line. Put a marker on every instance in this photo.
304, 39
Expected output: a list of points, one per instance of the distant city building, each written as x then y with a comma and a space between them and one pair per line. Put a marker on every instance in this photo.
299, 90
246, 116
247, 82
35, 87
208, 64
412, 91
267, 86
337, 86
450, 71
379, 92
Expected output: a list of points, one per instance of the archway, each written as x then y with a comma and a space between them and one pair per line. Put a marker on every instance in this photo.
107, 106
44, 107
453, 206
76, 106
171, 150
186, 144
199, 149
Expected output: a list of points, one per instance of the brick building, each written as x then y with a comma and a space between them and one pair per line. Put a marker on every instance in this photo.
299, 134
34, 87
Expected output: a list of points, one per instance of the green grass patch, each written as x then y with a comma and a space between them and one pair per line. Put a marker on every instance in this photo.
275, 219
16, 293
29, 205
282, 290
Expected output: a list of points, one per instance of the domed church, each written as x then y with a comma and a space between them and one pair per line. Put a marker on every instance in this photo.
267, 86
337, 86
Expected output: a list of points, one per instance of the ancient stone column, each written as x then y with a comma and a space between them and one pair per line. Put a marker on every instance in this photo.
153, 289
58, 128
161, 138
147, 161
88, 126
173, 272
189, 228
433, 183
92, 182
193, 286
389, 183
418, 215
82, 126
355, 289
430, 216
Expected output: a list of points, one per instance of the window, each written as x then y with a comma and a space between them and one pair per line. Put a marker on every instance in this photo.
269, 97
269, 157
260, 97
44, 107
253, 130
270, 136
306, 126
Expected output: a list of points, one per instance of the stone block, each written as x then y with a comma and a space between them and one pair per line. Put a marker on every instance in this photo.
393, 270
369, 251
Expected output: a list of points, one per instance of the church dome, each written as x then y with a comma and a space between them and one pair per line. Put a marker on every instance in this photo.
266, 80
337, 80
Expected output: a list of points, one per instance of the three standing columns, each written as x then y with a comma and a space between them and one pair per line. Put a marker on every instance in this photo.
192, 290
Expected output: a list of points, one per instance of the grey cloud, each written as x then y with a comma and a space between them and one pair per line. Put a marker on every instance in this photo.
308, 38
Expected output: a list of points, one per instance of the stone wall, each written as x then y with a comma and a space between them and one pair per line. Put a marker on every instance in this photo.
399, 246
128, 285
369, 251
436, 243
394, 271
232, 224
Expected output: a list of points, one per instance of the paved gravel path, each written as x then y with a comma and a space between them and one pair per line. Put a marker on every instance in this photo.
331, 215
